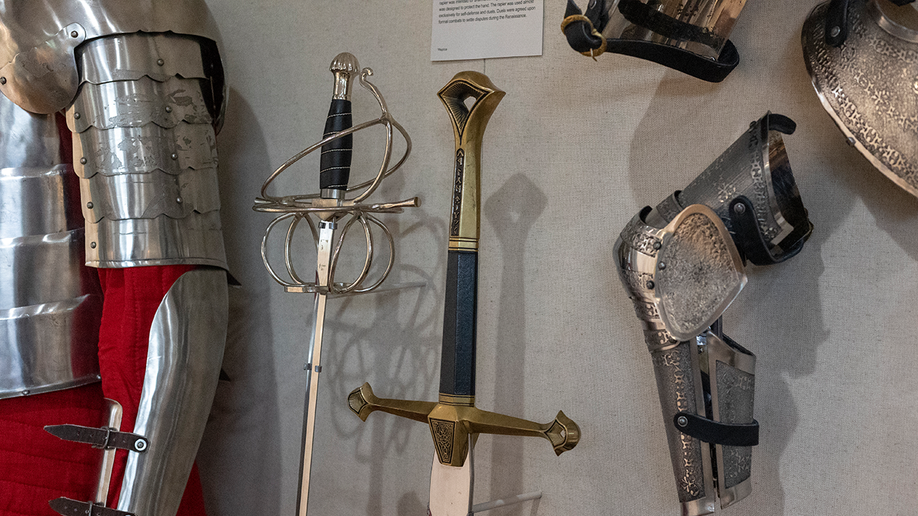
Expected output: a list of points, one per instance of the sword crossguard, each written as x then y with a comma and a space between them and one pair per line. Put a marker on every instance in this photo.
451, 423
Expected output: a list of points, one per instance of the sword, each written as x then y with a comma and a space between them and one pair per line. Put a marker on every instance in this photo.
335, 164
455, 421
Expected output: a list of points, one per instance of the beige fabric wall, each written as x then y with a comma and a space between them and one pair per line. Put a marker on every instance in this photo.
571, 154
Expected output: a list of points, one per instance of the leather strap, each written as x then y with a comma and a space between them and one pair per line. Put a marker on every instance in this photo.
103, 438
837, 22
583, 35
715, 432
69, 507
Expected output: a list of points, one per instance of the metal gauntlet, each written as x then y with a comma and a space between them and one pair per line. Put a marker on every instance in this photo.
682, 265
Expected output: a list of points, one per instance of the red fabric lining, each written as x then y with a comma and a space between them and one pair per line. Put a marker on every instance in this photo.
35, 466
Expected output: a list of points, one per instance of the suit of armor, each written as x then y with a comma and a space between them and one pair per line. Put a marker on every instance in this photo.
141, 85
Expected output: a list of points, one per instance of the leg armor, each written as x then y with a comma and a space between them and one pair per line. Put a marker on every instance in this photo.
143, 90
682, 264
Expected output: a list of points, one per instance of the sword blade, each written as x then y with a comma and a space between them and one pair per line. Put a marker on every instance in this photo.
314, 360
451, 487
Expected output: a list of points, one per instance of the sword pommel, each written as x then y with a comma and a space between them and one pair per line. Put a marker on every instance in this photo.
469, 120
345, 68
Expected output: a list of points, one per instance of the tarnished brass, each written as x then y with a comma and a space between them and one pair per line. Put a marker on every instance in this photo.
451, 425
464, 224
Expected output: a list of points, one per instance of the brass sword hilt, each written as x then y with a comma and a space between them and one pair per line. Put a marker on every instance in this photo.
454, 418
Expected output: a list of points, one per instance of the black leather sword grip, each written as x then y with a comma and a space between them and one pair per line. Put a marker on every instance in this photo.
335, 163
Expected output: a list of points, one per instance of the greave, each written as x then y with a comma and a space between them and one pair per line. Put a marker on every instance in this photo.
682, 264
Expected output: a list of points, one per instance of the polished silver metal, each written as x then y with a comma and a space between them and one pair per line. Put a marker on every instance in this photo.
130, 57
868, 84
750, 167
679, 302
714, 20
37, 200
336, 214
682, 264
139, 102
345, 67
293, 209
151, 195
139, 150
115, 413
37, 44
48, 320
49, 347
183, 365
146, 155
161, 241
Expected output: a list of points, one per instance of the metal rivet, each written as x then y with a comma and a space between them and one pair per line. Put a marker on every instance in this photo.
83, 161
77, 116
657, 245
140, 445
739, 208
178, 200
662, 266
160, 62
168, 109
682, 421
92, 245
74, 34
174, 156
851, 141
650, 285
89, 205
26, 392
2, 80
835, 32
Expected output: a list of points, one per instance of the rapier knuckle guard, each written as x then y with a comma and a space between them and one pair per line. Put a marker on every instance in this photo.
682, 264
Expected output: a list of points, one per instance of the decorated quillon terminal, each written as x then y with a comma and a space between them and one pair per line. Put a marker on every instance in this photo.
689, 36
861, 59
682, 264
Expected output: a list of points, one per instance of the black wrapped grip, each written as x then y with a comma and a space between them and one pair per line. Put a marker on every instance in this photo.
457, 362
335, 163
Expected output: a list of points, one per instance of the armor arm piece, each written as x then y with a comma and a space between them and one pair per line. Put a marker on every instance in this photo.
38, 65
146, 153
183, 366
48, 322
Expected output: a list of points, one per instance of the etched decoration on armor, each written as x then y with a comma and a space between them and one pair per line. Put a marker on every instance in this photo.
689, 36
682, 265
865, 73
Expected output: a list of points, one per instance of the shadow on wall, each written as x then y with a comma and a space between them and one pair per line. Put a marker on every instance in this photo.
511, 211
244, 422
391, 340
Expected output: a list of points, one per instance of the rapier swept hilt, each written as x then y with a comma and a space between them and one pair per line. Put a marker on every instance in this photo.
296, 208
